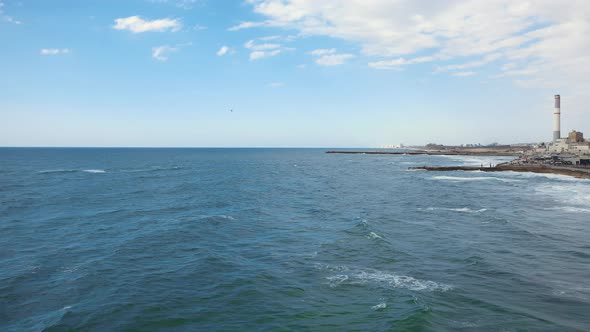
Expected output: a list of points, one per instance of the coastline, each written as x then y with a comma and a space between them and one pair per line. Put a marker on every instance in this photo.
580, 173
504, 153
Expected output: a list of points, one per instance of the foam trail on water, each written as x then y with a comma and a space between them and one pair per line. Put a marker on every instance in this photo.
94, 171
476, 178
463, 209
379, 306
347, 276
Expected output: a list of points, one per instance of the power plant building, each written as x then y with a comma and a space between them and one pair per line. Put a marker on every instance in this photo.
574, 144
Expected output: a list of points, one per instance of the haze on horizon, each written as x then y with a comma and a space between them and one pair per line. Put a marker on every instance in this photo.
297, 73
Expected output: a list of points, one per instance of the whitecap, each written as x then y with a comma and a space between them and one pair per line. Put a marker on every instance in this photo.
373, 236
94, 171
463, 209
379, 306
384, 279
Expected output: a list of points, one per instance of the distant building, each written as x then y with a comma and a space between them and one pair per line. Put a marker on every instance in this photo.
576, 137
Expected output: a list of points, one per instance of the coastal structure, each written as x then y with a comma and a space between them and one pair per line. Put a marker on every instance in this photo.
557, 119
573, 149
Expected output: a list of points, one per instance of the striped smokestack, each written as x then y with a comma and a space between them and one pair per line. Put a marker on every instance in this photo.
557, 119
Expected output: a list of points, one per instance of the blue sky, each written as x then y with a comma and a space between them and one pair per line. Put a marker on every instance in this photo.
297, 73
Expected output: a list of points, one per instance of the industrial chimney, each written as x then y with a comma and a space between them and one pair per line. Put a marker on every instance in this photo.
556, 119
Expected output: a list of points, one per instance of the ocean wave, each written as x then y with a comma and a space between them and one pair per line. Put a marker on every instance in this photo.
58, 171
477, 161
379, 306
475, 178
373, 236
217, 219
463, 209
93, 171
347, 276
153, 169
573, 209
567, 193
557, 177
72, 171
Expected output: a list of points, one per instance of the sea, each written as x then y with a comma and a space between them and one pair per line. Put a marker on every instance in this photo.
106, 239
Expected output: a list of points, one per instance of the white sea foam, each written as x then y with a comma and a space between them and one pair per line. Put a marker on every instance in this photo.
348, 276
569, 194
93, 171
373, 236
463, 209
379, 306
550, 176
475, 178
477, 161
72, 171
572, 209
58, 171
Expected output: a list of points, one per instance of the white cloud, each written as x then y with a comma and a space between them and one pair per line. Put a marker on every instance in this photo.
259, 47
136, 24
275, 84
472, 64
7, 18
223, 51
162, 53
548, 39
328, 57
397, 63
246, 25
323, 51
264, 50
263, 54
54, 51
184, 4
464, 73
333, 59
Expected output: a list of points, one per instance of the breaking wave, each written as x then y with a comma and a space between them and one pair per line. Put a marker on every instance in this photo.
463, 209
347, 276
93, 171
476, 178
72, 171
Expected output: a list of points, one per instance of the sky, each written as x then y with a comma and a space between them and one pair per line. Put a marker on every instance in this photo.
296, 73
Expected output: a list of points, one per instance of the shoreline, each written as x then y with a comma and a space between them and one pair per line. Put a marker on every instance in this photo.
435, 153
580, 173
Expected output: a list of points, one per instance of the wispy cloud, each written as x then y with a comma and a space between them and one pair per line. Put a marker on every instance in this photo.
162, 53
54, 51
275, 85
246, 25
6, 18
264, 50
184, 4
137, 24
263, 54
328, 57
399, 62
223, 50
464, 73
325, 51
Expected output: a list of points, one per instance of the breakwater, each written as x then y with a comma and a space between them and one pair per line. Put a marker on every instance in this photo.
582, 173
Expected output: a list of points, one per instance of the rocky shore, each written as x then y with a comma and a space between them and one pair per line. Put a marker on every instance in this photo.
578, 172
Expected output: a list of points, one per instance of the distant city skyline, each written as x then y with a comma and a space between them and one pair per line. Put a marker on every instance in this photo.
291, 73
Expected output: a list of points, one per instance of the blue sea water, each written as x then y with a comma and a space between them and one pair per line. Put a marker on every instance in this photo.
286, 240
